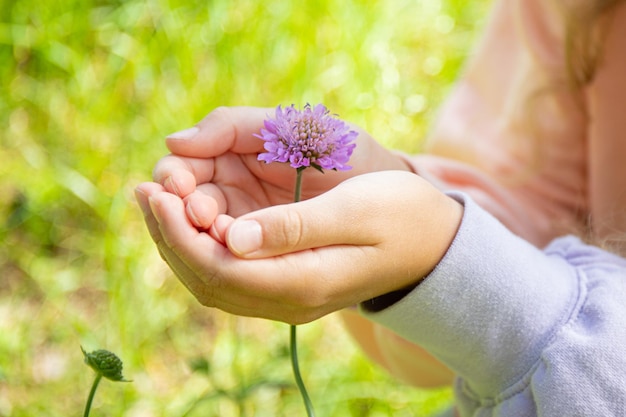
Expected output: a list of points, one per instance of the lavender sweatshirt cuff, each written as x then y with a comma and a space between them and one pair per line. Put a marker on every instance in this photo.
489, 307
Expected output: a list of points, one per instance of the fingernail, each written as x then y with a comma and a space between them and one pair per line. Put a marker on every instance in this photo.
245, 237
192, 216
142, 200
155, 209
184, 134
171, 186
215, 235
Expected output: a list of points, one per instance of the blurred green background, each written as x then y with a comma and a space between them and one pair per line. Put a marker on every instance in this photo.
89, 90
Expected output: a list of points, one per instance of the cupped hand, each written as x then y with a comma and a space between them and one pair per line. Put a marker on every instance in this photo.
368, 236
218, 157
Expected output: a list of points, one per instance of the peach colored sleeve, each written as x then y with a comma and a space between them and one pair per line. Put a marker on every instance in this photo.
525, 150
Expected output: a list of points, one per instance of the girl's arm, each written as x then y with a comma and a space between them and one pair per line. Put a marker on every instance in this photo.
529, 332
403, 359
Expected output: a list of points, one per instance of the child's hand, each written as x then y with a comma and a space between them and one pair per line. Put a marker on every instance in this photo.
219, 157
368, 236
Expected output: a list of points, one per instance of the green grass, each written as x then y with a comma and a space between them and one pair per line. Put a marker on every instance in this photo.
88, 91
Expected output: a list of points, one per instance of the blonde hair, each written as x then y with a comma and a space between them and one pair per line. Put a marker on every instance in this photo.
585, 27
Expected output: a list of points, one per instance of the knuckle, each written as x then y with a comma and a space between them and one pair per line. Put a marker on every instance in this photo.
292, 230
222, 119
221, 115
220, 111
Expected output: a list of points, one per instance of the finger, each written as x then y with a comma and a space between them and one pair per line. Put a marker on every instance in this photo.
202, 208
342, 216
174, 234
367, 210
219, 227
180, 175
143, 192
223, 129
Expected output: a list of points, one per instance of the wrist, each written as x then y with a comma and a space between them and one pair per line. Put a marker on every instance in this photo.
436, 220
380, 303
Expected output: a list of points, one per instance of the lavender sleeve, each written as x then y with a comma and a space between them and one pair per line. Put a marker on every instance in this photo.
528, 332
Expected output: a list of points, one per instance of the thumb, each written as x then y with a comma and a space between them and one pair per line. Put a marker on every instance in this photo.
337, 217
223, 129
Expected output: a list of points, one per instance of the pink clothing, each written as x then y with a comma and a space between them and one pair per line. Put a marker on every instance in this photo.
544, 160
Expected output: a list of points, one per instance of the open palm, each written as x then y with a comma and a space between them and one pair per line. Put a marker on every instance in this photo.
218, 159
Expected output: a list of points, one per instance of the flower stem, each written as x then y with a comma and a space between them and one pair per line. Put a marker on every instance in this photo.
92, 393
293, 340
296, 372
298, 189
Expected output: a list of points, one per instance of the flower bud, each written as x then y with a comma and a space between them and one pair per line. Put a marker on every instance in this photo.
105, 363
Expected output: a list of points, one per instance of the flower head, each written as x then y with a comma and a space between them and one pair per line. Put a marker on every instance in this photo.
310, 137
105, 363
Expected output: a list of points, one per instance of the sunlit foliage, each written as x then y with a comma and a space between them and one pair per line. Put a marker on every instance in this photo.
88, 91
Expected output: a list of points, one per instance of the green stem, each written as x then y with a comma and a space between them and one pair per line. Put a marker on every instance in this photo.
293, 341
92, 393
296, 372
298, 191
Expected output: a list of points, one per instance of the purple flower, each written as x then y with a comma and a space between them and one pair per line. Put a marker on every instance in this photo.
310, 137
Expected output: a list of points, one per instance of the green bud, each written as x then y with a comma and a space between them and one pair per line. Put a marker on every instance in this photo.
105, 363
